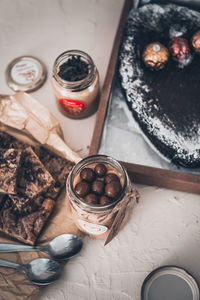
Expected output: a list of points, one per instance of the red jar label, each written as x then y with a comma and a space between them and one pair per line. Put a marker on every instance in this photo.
72, 107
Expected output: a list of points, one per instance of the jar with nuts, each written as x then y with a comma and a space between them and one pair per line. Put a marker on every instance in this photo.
95, 187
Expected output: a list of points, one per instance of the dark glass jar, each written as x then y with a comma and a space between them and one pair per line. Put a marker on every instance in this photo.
76, 99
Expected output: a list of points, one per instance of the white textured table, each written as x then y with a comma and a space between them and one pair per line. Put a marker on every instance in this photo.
164, 227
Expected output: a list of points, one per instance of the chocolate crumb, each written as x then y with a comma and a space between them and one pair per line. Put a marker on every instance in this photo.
74, 69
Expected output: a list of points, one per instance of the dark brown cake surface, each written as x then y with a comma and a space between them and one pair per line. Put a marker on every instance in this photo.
9, 163
33, 178
28, 200
165, 103
58, 167
23, 205
25, 228
8, 141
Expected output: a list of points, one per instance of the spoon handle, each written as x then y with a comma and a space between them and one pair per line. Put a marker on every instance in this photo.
17, 248
9, 264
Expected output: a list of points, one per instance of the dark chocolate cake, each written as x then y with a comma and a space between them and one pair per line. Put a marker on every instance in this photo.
165, 103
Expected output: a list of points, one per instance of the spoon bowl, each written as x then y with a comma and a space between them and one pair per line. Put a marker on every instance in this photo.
63, 247
40, 271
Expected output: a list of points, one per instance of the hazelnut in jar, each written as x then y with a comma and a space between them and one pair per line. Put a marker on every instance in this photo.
75, 83
95, 188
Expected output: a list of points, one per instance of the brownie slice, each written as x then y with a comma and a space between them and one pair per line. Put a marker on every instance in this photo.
25, 228
23, 214
24, 205
9, 163
53, 191
8, 141
33, 178
58, 167
2, 198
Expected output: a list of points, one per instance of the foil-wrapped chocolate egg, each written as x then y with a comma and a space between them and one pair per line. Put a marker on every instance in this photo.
195, 41
155, 56
179, 49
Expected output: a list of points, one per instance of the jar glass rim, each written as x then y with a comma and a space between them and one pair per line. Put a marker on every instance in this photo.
86, 81
107, 160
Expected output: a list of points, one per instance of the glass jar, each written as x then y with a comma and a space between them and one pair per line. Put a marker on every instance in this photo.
76, 98
96, 219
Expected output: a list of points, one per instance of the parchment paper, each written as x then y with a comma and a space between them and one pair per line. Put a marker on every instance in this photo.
24, 117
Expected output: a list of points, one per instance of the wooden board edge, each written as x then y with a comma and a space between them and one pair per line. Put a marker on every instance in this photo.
103, 103
138, 173
163, 178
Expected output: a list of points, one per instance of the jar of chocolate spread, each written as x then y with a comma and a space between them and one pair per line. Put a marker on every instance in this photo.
96, 187
75, 82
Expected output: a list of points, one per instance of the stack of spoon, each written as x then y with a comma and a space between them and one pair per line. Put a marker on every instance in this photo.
43, 271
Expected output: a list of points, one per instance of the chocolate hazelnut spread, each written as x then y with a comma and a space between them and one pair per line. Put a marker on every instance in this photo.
96, 209
76, 84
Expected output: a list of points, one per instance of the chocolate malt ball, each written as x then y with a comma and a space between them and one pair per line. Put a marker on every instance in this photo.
100, 170
111, 177
104, 200
87, 174
195, 41
91, 199
155, 56
113, 189
98, 187
82, 188
179, 49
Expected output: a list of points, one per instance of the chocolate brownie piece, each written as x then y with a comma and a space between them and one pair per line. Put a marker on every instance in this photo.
58, 167
24, 205
8, 141
53, 191
25, 228
9, 163
33, 178
35, 221
2, 197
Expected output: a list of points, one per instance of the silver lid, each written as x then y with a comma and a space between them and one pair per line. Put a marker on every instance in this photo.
170, 283
25, 73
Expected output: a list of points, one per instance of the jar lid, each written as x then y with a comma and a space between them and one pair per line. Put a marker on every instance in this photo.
171, 283
25, 73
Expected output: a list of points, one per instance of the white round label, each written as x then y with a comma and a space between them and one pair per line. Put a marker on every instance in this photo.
92, 228
24, 72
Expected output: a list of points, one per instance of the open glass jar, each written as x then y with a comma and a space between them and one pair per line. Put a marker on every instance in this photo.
96, 219
75, 82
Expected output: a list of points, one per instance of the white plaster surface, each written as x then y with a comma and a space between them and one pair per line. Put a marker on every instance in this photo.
164, 228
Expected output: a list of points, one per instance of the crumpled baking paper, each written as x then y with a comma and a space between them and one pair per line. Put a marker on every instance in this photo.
24, 117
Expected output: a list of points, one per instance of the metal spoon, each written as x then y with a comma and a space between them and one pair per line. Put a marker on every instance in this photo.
63, 246
40, 271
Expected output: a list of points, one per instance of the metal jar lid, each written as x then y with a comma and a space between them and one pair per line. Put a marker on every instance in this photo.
170, 283
25, 73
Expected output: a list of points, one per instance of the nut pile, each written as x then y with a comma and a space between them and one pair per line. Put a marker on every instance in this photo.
97, 185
